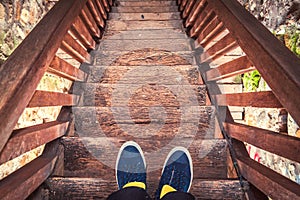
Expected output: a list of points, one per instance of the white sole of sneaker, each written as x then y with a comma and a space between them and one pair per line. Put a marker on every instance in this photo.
184, 150
126, 144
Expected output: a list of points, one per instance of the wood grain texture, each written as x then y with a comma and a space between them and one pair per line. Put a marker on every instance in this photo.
220, 48
232, 68
18, 86
43, 98
142, 9
171, 45
266, 50
201, 22
88, 188
141, 94
145, 16
95, 157
80, 31
27, 179
144, 34
282, 145
167, 75
29, 138
197, 9
268, 181
255, 99
143, 57
74, 49
63, 69
95, 13
90, 22
120, 25
146, 3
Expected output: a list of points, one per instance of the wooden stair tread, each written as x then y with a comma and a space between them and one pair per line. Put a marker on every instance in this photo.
140, 16
96, 188
152, 9
145, 93
146, 56
146, 3
188, 121
183, 74
96, 156
122, 25
144, 34
172, 45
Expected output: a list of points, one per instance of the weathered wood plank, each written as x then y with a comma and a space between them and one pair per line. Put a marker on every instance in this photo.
197, 9
95, 13
265, 179
43, 98
170, 121
188, 8
255, 99
180, 74
223, 46
22, 71
172, 45
143, 57
146, 93
80, 30
203, 19
84, 158
144, 34
101, 8
21, 183
143, 25
64, 69
140, 16
265, 50
74, 49
232, 68
76, 188
142, 9
88, 19
146, 3
210, 32
29, 138
282, 145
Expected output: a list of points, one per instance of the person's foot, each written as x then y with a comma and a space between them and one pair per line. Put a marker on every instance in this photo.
131, 166
177, 173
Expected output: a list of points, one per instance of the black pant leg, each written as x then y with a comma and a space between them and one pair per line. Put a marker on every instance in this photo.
133, 193
178, 196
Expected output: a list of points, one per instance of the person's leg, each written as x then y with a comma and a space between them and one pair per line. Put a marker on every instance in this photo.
177, 176
130, 173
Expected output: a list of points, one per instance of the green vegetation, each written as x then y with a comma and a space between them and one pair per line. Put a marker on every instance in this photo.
251, 81
292, 40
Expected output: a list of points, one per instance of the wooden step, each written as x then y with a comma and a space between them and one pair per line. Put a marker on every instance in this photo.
142, 9
193, 121
168, 75
121, 25
145, 16
96, 157
144, 34
145, 3
172, 45
96, 188
143, 57
145, 93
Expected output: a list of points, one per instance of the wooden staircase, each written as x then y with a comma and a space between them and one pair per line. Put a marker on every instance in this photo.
149, 72
143, 85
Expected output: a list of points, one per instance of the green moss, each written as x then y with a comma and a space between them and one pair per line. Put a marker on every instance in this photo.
251, 81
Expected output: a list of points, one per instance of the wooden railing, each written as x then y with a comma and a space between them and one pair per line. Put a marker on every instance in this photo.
218, 27
73, 27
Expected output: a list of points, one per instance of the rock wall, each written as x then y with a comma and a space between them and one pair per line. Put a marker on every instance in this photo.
274, 13
17, 19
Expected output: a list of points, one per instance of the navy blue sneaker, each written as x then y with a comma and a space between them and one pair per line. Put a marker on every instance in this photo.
177, 173
131, 166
